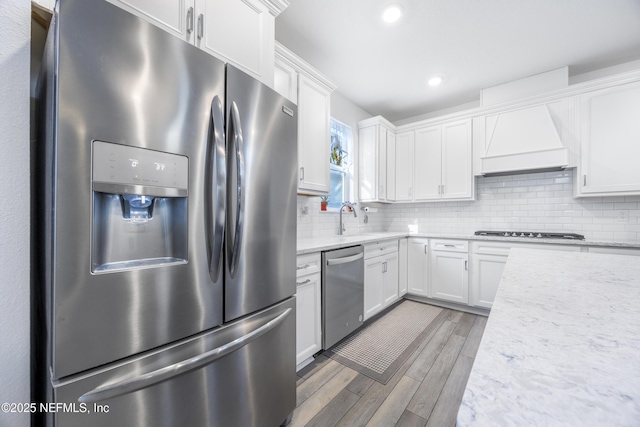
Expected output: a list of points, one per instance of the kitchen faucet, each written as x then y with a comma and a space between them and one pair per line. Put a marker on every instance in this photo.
353, 208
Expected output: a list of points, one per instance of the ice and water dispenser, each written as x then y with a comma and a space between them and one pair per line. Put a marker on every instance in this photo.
139, 208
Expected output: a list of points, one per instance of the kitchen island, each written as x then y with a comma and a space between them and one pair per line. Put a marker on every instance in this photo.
562, 344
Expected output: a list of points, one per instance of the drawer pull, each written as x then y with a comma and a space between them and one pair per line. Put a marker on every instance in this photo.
302, 267
449, 246
303, 283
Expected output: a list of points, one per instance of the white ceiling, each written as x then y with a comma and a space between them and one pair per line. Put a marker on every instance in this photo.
473, 44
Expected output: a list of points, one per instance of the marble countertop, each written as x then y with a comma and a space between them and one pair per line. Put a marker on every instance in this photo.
326, 243
562, 344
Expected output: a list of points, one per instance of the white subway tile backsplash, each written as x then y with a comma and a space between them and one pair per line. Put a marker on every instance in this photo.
542, 201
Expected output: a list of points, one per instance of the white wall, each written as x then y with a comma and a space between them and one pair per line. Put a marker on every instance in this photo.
15, 18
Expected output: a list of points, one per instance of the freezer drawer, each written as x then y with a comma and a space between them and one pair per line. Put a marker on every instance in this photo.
255, 385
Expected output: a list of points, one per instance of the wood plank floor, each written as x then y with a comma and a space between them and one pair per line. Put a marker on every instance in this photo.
426, 390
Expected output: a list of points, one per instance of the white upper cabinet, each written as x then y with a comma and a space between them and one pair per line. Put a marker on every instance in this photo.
457, 176
301, 83
238, 31
241, 32
404, 166
427, 176
377, 161
443, 162
314, 138
610, 137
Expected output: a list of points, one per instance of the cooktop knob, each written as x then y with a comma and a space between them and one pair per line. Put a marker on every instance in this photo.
522, 235
539, 235
531, 235
506, 234
515, 234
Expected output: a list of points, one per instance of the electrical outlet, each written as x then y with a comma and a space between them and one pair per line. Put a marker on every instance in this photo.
304, 210
623, 216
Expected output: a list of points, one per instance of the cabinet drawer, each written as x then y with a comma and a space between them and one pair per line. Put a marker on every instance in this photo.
308, 264
450, 245
491, 248
380, 248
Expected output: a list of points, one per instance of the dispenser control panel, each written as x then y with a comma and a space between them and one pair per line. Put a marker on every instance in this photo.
133, 166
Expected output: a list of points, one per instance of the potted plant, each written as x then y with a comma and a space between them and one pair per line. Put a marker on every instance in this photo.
324, 200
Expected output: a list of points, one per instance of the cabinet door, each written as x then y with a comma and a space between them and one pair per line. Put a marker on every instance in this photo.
428, 164
404, 167
449, 276
610, 134
238, 31
308, 317
457, 173
390, 164
175, 17
402, 267
486, 272
382, 163
417, 266
373, 285
313, 137
390, 277
367, 166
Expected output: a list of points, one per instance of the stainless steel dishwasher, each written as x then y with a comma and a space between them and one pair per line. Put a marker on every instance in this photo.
342, 293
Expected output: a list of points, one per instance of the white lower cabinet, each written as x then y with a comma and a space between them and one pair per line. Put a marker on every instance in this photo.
488, 260
380, 277
308, 307
403, 282
418, 266
487, 263
449, 268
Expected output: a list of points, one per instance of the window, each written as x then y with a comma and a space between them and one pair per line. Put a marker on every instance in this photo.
340, 164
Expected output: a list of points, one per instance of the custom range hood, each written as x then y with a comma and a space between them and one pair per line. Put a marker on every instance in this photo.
525, 139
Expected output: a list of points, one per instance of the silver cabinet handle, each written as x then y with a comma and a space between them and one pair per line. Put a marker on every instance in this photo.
442, 188
584, 182
466, 264
439, 186
217, 180
344, 260
200, 26
425, 249
147, 380
236, 147
449, 246
190, 20
303, 283
302, 267
302, 174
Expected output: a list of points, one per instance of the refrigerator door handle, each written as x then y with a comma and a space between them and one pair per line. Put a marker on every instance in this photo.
237, 147
218, 193
109, 391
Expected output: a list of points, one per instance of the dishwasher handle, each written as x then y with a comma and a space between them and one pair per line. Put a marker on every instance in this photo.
347, 259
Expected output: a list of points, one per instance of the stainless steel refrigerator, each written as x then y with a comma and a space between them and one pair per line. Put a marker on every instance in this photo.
167, 234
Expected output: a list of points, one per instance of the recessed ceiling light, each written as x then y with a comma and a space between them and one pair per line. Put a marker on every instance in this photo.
434, 81
392, 13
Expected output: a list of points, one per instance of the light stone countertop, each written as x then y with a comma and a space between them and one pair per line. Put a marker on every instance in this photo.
562, 344
330, 242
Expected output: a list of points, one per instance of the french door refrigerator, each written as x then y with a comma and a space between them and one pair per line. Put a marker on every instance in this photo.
167, 234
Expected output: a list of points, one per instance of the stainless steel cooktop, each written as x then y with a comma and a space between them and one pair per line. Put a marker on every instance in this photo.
530, 234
